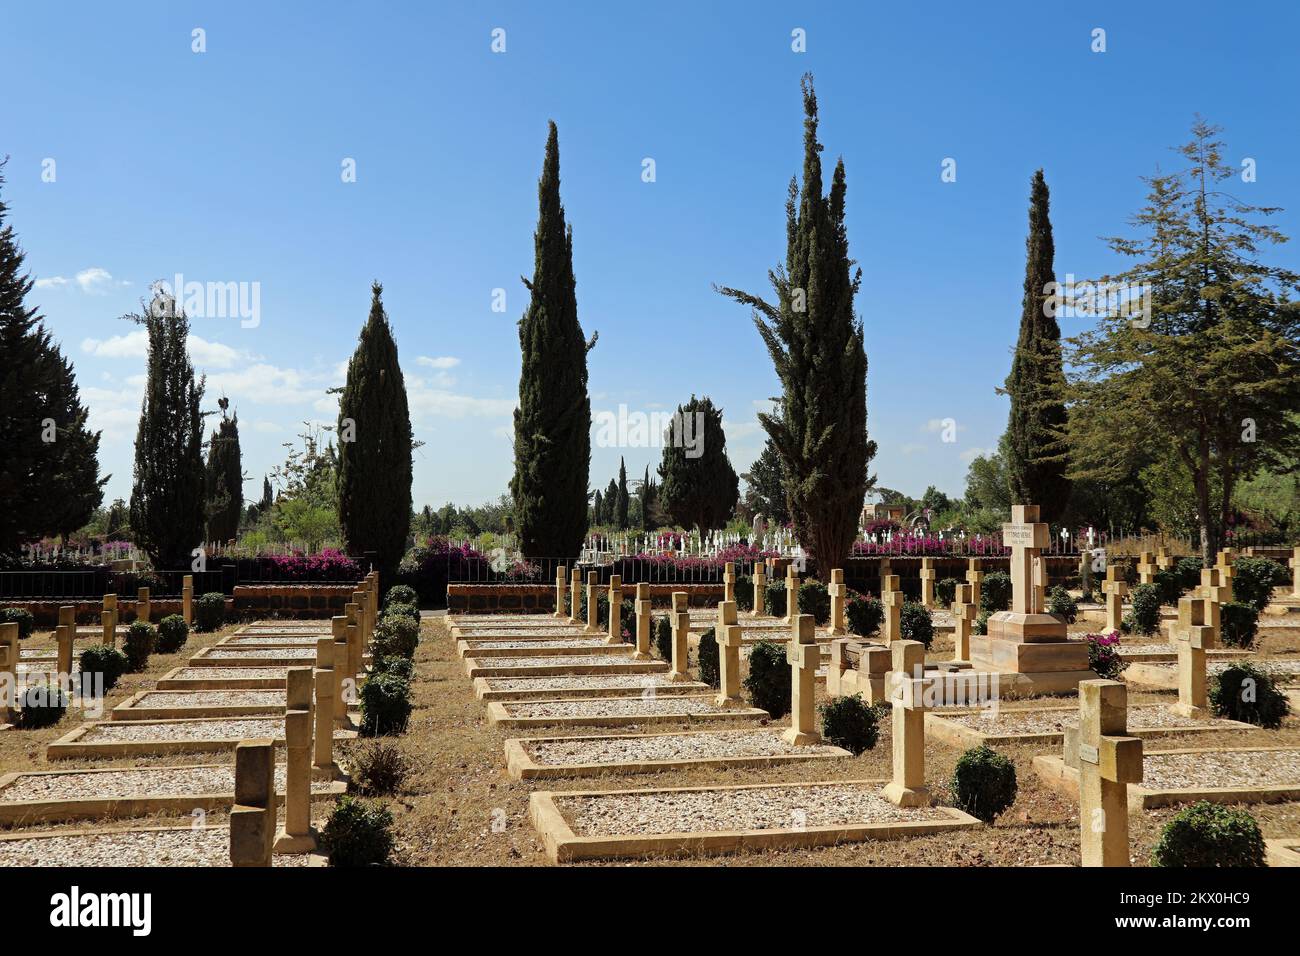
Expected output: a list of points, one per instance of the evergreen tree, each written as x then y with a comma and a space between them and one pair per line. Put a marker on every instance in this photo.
1036, 429
375, 444
167, 495
597, 510
49, 468
699, 486
815, 341
647, 501
268, 499
610, 514
224, 478
553, 420
623, 501
766, 480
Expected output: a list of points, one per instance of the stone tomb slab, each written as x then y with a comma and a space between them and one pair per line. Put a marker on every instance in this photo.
1284, 852
700, 821
581, 686
615, 712
218, 656
176, 705
543, 757
134, 738
51, 795
224, 678
533, 647
538, 666
1216, 774
269, 640
1162, 676
1046, 725
143, 846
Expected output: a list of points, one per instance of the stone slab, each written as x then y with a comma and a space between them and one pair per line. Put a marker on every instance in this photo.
194, 846
140, 707
512, 715
545, 667
563, 647
554, 688
944, 729
217, 656
80, 743
195, 678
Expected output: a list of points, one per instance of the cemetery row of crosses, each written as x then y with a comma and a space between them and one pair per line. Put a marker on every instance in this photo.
810, 690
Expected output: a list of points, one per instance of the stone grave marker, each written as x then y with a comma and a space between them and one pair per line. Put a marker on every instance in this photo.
108, 621
142, 605
297, 836
1295, 573
1115, 588
680, 620
791, 593
975, 578
561, 586
575, 591
963, 614
615, 632
64, 635
838, 591
187, 598
1109, 760
907, 788
323, 766
1226, 571
1085, 572
9, 651
729, 581
252, 818
730, 637
339, 670
803, 654
760, 591
644, 622
1192, 635
593, 613
928, 576
891, 600
1146, 568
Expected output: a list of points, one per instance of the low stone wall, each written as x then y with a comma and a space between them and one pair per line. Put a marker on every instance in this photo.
253, 600
537, 598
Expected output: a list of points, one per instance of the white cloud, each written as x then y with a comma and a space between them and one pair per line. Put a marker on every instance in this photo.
97, 281
268, 428
53, 282
441, 361
441, 402
939, 424
970, 454
135, 344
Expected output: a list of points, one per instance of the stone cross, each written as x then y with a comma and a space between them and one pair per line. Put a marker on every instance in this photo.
575, 591
643, 622
1215, 594
680, 620
963, 614
187, 598
927, 582
791, 593
108, 620
760, 591
1114, 587
297, 836
886, 569
1164, 561
1040, 583
252, 818
1192, 635
729, 581
838, 592
803, 654
142, 605
339, 630
357, 614
9, 652
615, 634
593, 613
907, 686
729, 637
1109, 760
64, 635
974, 577
891, 600
1026, 536
1295, 573
1085, 571
1146, 568
323, 766
561, 586
1226, 571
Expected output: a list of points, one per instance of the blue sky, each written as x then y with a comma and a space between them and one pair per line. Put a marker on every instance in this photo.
225, 166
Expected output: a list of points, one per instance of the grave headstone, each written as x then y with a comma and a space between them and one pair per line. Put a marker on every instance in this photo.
839, 592
1146, 568
730, 637
681, 627
593, 612
1295, 573
644, 622
975, 578
928, 575
791, 593
355, 612
108, 621
1109, 760
615, 632
907, 698
252, 818
9, 652
891, 600
575, 595
187, 598
323, 766
1192, 635
729, 581
561, 586
1215, 594
886, 569
142, 605
760, 591
803, 653
339, 670
64, 635
297, 836
963, 614
1085, 572
1226, 571
1115, 588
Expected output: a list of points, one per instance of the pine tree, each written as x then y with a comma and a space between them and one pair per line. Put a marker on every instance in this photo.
699, 487
623, 501
167, 513
375, 445
49, 470
1036, 428
816, 344
224, 478
553, 420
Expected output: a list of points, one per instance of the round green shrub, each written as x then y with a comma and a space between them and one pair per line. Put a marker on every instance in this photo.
1188, 571
1144, 617
768, 681
1062, 605
945, 592
403, 610
849, 723
108, 662
1170, 585
1210, 835
385, 705
1254, 580
863, 615
401, 594
1238, 624
814, 599
20, 616
663, 637
708, 657
995, 592
138, 645
983, 783
210, 612
41, 705
396, 634
172, 633
776, 599
358, 833
981, 623
915, 623
394, 664
1244, 692
744, 592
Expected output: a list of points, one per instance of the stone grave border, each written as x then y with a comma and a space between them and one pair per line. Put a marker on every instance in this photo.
313, 859
1160, 676
203, 658
1285, 852
562, 845
497, 714
127, 710
483, 692
283, 642
71, 745
171, 682
559, 669
600, 648
953, 734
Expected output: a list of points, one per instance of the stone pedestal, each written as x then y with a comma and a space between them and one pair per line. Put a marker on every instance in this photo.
644, 623
681, 626
1108, 762
297, 835
187, 598
575, 590
1192, 635
907, 788
803, 654
760, 592
891, 600
252, 818
108, 621
323, 766
142, 605
1115, 590
614, 633
561, 588
963, 614
928, 576
729, 636
838, 592
64, 635
593, 612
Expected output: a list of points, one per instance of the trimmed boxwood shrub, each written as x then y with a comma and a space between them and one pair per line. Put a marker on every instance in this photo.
396, 634
358, 833
1244, 692
172, 634
945, 592
401, 594
814, 599
377, 768
20, 616
1170, 585
849, 723
403, 610
1144, 616
995, 592
210, 612
768, 681
1189, 573
661, 637
41, 705
744, 592
863, 614
385, 705
1209, 834
915, 623
776, 599
107, 661
1061, 604
1238, 624
1254, 579
394, 664
708, 657
983, 783
138, 645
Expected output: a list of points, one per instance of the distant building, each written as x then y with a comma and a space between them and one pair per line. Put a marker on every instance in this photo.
883, 512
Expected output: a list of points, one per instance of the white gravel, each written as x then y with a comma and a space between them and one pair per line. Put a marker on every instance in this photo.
251, 653
130, 782
692, 746
1223, 769
537, 645
659, 682
612, 661
231, 673
760, 808
204, 846
212, 698
622, 707
233, 728
284, 640
1052, 722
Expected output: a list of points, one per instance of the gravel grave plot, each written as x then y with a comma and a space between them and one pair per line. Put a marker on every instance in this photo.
212, 698
234, 728
1288, 671
252, 653
759, 808
622, 707
584, 642
282, 641
231, 673
659, 682
1158, 717
183, 846
132, 782
693, 746
569, 660
1221, 769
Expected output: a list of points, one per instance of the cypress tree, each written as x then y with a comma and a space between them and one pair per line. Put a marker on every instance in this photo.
611, 503
268, 499
553, 420
624, 501
375, 442
224, 478
815, 341
597, 510
167, 506
1036, 443
49, 469
647, 500
699, 486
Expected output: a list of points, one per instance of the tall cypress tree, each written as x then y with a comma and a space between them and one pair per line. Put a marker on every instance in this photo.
167, 506
224, 478
815, 341
268, 499
553, 420
611, 503
375, 442
1036, 442
647, 501
49, 468
624, 502
699, 486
